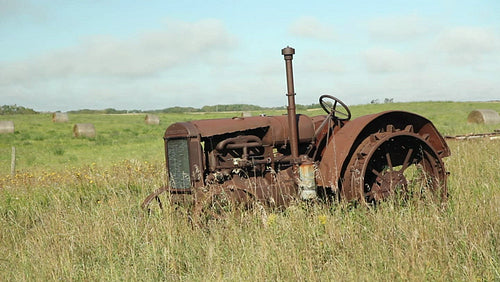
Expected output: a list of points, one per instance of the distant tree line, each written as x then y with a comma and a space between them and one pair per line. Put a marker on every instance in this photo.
105, 111
213, 108
15, 110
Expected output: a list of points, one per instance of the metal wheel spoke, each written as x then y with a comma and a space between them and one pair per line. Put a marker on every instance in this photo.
376, 173
341, 113
389, 161
430, 158
406, 162
372, 195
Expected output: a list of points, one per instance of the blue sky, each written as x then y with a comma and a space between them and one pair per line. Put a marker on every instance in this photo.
68, 55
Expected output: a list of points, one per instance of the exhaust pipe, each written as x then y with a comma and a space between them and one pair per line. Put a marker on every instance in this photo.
292, 117
306, 178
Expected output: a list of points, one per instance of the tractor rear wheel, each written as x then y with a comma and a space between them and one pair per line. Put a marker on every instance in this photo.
394, 163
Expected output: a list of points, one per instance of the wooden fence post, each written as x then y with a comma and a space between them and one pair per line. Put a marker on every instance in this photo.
13, 162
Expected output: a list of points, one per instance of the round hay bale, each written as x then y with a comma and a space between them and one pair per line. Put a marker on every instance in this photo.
6, 126
246, 114
485, 116
60, 117
151, 119
84, 130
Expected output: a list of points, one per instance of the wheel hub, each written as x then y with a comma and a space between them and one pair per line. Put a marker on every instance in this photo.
387, 185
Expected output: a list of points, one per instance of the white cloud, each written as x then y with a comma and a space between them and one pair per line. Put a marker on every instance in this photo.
26, 10
10, 7
317, 61
385, 60
310, 27
469, 40
149, 53
469, 45
110, 72
399, 28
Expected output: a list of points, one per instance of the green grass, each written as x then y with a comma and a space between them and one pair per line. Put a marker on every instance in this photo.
40, 143
71, 212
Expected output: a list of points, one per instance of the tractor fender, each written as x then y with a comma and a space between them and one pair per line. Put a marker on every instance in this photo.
341, 145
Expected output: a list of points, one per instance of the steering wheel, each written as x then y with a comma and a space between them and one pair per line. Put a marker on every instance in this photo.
329, 104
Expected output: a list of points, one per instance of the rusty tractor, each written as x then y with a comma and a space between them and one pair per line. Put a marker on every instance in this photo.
274, 160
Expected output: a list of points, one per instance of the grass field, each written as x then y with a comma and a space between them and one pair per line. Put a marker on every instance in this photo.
71, 212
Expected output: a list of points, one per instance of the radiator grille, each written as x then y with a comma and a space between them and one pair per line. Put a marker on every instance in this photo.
178, 163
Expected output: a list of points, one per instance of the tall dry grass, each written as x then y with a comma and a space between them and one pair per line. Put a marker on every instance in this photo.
86, 224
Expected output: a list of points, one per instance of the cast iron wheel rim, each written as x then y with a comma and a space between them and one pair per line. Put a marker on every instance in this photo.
332, 110
153, 201
394, 163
